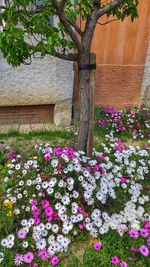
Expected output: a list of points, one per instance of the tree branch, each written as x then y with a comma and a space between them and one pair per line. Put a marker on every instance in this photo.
66, 24
109, 7
69, 57
108, 21
75, 27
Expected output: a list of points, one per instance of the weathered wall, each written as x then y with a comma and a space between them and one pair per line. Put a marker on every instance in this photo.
46, 81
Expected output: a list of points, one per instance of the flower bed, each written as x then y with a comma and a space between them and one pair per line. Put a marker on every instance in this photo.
133, 123
60, 194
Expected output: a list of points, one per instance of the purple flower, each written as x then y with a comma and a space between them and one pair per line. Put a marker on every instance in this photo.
123, 264
28, 257
97, 245
148, 241
18, 260
143, 232
22, 233
43, 254
144, 250
55, 260
115, 260
133, 233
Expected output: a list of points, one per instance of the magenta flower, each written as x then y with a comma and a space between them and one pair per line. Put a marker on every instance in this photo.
115, 260
97, 245
28, 257
35, 264
43, 254
18, 260
34, 202
123, 264
55, 260
36, 212
143, 232
133, 233
36, 220
47, 157
45, 203
49, 211
147, 226
123, 180
144, 250
22, 233
133, 249
49, 218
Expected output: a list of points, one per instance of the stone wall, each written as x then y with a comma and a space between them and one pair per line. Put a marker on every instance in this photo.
45, 81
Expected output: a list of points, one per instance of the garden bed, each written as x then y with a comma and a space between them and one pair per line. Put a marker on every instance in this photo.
61, 208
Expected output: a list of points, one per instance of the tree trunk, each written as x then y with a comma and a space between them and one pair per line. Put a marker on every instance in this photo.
86, 89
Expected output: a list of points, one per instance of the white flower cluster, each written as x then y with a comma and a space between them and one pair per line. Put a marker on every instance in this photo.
77, 189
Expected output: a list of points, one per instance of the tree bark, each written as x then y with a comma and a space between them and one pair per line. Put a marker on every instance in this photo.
86, 87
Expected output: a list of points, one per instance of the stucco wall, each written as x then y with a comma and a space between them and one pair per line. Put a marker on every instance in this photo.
45, 81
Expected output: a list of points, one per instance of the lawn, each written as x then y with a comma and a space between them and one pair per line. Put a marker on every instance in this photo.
60, 208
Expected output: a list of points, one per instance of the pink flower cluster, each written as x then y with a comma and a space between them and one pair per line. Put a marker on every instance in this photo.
35, 211
26, 258
116, 261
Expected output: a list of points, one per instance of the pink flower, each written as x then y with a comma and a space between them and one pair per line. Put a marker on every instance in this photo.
118, 148
36, 220
123, 180
115, 260
133, 249
102, 171
35, 264
88, 169
143, 232
133, 233
43, 254
55, 260
45, 203
49, 211
34, 202
22, 233
28, 257
144, 250
123, 264
147, 226
97, 245
36, 212
47, 157
18, 260
49, 218
81, 226
79, 210
121, 229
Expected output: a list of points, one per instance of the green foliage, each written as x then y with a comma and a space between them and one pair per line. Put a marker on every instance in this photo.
27, 27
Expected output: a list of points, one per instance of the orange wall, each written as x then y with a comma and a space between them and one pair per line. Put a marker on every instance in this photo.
124, 42
121, 49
